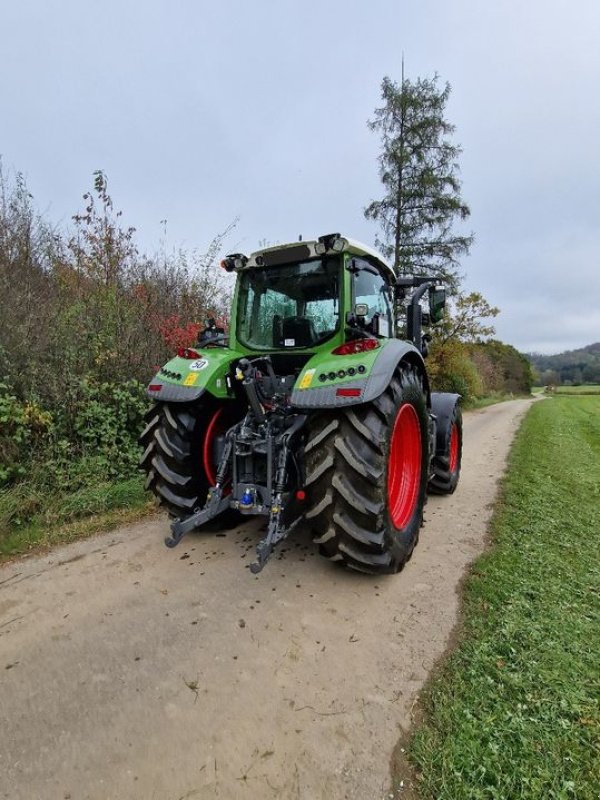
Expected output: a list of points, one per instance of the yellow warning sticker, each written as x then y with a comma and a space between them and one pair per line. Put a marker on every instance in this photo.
307, 379
190, 380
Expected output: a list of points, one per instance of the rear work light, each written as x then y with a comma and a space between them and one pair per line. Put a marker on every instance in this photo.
348, 392
188, 352
356, 346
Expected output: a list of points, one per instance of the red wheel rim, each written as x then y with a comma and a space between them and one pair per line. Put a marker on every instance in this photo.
404, 466
207, 455
454, 448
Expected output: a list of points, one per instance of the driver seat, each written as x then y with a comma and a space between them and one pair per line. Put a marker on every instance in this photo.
300, 329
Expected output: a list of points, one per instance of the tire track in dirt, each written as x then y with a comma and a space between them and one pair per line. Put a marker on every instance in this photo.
131, 671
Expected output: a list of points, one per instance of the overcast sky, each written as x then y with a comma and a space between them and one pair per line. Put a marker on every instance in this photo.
200, 112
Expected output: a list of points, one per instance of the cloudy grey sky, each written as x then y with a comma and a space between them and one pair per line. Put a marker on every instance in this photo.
200, 112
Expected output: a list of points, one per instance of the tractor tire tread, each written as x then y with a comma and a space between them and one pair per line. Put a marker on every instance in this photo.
442, 480
167, 442
347, 510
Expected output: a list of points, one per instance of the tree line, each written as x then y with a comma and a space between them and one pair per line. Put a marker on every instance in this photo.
85, 320
573, 367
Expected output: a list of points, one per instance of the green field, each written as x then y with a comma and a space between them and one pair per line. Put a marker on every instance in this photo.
583, 389
513, 713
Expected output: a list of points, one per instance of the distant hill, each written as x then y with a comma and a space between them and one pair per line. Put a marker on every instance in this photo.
572, 366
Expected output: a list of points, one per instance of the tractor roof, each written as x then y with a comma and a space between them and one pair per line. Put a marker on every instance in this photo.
303, 251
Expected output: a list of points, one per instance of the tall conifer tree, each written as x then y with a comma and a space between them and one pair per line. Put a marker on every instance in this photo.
419, 171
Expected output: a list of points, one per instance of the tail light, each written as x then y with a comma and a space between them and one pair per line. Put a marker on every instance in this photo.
356, 346
341, 392
188, 352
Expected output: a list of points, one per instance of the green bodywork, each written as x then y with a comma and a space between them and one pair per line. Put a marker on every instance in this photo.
184, 380
212, 378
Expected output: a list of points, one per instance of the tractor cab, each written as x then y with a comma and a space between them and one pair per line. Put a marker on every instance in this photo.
298, 297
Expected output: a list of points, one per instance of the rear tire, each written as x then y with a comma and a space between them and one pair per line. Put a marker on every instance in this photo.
447, 461
366, 475
173, 472
178, 441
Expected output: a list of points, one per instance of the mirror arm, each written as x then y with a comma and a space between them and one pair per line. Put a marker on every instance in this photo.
413, 320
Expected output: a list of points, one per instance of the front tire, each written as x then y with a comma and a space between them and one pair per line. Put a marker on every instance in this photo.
366, 469
447, 461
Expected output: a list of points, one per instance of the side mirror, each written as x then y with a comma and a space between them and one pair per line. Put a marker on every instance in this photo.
437, 304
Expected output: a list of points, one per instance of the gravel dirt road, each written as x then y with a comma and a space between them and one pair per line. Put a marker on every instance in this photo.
131, 671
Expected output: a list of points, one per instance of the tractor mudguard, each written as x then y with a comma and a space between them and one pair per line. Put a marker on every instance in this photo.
373, 371
183, 380
442, 407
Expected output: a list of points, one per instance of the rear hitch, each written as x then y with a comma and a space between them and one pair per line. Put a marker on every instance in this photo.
214, 505
262, 439
275, 533
215, 502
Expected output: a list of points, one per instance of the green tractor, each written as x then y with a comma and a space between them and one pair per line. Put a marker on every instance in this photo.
313, 410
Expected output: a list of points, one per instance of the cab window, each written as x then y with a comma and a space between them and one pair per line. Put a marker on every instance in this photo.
371, 289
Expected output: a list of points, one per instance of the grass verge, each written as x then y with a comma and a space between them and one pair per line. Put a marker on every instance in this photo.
58, 518
490, 400
513, 713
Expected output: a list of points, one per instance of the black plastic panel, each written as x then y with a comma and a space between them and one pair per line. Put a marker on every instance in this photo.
300, 252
